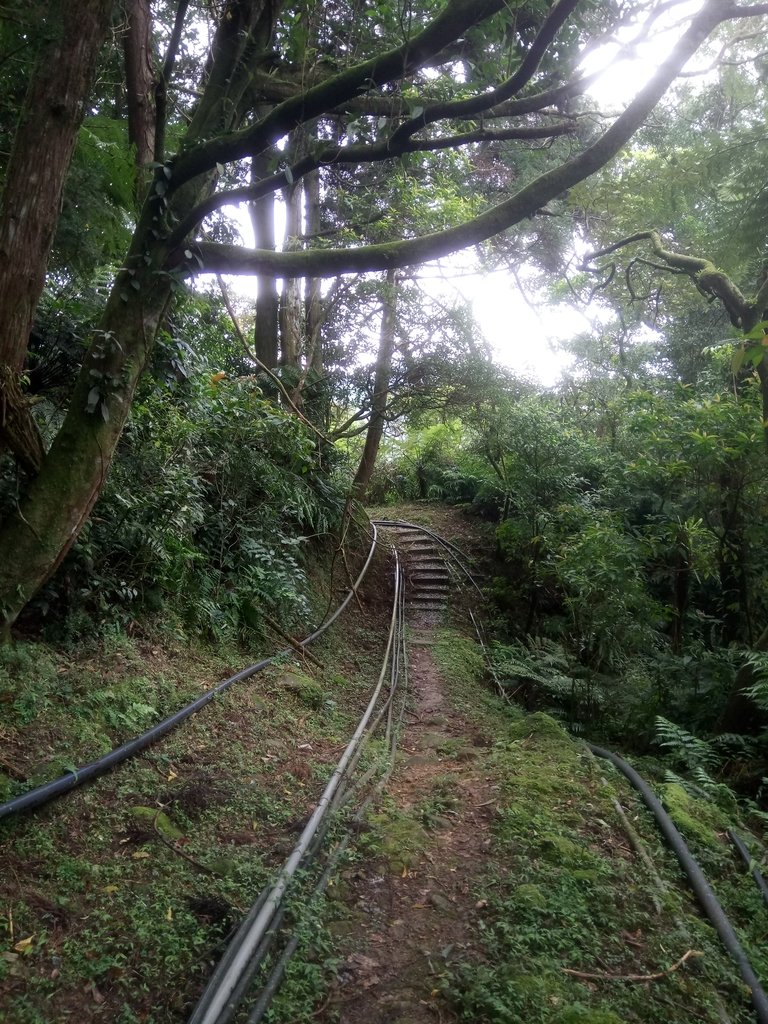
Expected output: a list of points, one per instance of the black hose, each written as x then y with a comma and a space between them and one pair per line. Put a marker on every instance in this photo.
245, 951
50, 790
699, 884
746, 856
275, 978
57, 787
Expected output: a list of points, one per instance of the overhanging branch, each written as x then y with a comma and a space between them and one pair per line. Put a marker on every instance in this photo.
344, 156
525, 203
456, 18
711, 281
476, 104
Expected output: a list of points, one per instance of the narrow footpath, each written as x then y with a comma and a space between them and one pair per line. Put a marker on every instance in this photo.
411, 904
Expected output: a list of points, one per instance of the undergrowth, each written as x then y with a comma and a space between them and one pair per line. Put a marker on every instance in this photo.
564, 889
116, 901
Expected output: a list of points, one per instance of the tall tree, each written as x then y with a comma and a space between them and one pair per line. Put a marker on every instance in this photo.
381, 384
266, 333
140, 81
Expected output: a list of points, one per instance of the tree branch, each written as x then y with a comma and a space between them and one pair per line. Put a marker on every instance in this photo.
707, 277
761, 299
262, 366
161, 86
634, 977
718, 60
525, 203
454, 19
470, 107
498, 103
344, 156
753, 11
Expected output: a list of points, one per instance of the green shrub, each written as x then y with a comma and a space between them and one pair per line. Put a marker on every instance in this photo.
212, 500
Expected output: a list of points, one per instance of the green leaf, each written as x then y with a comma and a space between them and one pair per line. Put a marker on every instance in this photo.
757, 331
755, 354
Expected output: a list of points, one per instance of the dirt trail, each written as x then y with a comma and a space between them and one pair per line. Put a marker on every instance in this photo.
408, 911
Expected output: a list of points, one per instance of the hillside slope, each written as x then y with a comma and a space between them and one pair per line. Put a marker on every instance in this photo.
493, 881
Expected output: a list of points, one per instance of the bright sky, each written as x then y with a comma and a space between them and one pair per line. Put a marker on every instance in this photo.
522, 336
526, 338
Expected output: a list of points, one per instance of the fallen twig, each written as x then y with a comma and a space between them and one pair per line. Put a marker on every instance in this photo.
12, 770
640, 850
634, 977
275, 627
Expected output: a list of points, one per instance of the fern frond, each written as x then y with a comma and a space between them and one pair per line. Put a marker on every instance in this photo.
684, 747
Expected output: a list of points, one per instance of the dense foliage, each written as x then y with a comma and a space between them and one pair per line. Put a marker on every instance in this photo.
181, 461
389, 136
176, 452
217, 504
630, 548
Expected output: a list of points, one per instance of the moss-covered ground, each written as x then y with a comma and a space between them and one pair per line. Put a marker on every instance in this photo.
565, 891
116, 900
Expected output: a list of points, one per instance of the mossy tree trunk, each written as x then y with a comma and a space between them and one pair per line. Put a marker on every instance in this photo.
36, 538
266, 333
290, 300
140, 81
315, 312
